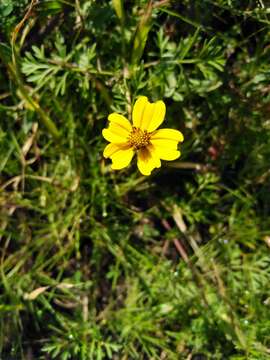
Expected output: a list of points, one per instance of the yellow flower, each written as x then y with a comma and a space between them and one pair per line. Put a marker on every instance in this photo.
143, 138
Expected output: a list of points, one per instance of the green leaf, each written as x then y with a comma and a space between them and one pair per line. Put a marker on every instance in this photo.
119, 9
5, 53
141, 35
6, 8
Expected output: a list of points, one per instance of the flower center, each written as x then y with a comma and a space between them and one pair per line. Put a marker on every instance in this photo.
138, 138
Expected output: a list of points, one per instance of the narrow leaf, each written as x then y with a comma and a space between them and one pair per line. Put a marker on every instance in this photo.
119, 9
141, 35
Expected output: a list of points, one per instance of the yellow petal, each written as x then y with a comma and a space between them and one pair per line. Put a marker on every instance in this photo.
168, 134
147, 115
121, 158
165, 143
114, 134
167, 154
138, 110
153, 116
111, 149
148, 160
121, 121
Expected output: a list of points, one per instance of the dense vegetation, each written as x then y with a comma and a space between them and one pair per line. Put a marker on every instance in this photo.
102, 264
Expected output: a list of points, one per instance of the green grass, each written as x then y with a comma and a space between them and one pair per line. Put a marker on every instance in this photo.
102, 264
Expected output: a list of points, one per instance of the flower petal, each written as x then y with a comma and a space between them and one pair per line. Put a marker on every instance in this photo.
115, 134
148, 116
153, 116
111, 149
121, 121
168, 134
148, 160
121, 158
167, 154
138, 110
165, 142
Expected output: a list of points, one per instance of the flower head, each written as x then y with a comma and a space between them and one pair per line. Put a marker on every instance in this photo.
141, 137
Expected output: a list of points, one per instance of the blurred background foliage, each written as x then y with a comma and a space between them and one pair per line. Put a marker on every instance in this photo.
97, 264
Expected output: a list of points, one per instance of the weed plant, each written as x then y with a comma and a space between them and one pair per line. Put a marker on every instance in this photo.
102, 264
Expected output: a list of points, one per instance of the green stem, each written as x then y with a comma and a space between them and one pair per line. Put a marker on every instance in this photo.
45, 119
